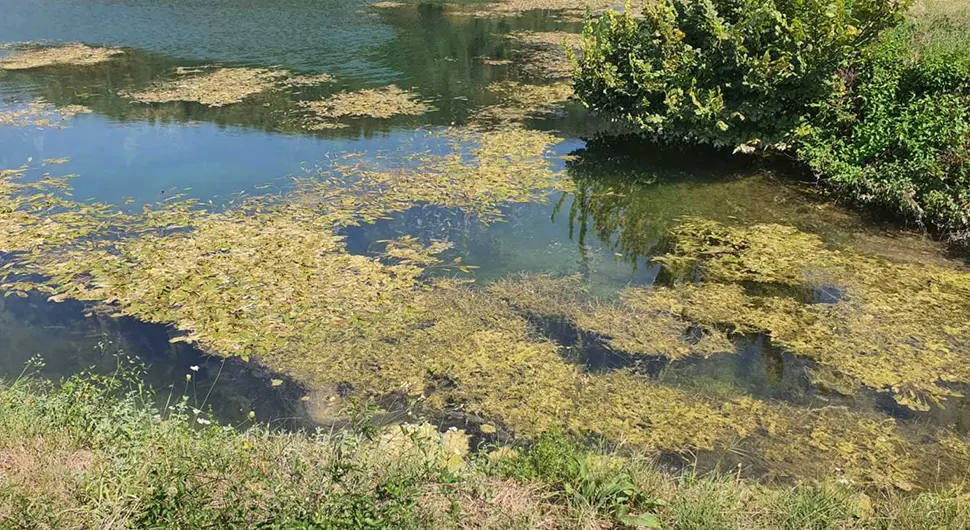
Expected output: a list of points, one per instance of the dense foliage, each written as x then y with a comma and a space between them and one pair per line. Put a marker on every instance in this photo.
726, 72
874, 104
895, 131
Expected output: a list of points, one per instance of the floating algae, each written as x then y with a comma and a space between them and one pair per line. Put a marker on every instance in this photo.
385, 102
545, 55
624, 325
40, 113
304, 80
74, 54
482, 172
862, 320
903, 328
272, 278
224, 86
495, 62
518, 101
568, 10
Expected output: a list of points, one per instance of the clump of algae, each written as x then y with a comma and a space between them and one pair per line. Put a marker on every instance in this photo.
304, 80
74, 54
518, 101
385, 102
40, 113
864, 321
625, 325
570, 10
545, 53
223, 86
482, 172
902, 328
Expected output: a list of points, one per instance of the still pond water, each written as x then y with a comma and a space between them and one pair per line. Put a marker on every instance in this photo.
626, 195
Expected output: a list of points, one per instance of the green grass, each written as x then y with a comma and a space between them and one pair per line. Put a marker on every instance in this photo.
96, 452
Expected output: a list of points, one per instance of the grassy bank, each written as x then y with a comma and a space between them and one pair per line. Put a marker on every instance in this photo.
96, 452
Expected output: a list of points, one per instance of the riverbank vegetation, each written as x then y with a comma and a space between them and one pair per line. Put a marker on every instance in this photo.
870, 97
105, 452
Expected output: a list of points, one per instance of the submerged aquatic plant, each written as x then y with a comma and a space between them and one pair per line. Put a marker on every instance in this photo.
481, 173
304, 80
545, 53
903, 328
271, 277
567, 10
74, 54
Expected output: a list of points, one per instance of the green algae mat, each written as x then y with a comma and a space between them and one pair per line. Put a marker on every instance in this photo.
270, 279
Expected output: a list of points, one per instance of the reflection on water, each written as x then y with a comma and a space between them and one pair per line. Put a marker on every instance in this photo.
438, 56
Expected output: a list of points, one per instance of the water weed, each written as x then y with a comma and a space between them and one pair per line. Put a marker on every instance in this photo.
385, 102
74, 54
223, 86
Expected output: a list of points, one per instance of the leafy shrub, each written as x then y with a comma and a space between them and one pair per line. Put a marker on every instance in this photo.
724, 72
895, 131
877, 107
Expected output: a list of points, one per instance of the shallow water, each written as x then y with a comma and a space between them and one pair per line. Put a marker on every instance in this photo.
606, 230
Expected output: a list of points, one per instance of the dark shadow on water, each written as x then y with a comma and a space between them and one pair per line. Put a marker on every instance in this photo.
69, 343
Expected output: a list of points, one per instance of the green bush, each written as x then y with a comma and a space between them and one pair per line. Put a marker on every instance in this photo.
737, 73
895, 131
876, 106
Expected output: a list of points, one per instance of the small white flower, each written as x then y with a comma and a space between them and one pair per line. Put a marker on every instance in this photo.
194, 368
188, 377
203, 421
196, 411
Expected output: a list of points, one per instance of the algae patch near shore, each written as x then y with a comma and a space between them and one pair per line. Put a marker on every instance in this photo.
481, 173
39, 113
272, 279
